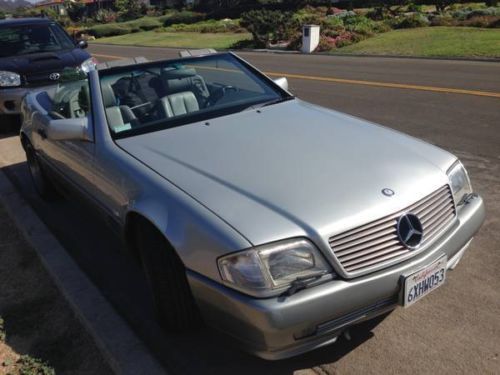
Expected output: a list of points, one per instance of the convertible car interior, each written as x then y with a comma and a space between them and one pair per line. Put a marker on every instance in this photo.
137, 96
131, 99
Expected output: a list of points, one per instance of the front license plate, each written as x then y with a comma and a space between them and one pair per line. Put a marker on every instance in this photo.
424, 281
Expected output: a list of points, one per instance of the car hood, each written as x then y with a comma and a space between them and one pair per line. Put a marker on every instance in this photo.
44, 62
293, 169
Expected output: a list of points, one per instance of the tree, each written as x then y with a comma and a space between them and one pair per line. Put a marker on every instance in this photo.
393, 7
441, 5
129, 9
76, 10
268, 25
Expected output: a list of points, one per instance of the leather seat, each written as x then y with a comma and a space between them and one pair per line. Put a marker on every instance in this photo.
120, 117
185, 79
180, 104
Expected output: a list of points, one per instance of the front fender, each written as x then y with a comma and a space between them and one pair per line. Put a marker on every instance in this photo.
198, 235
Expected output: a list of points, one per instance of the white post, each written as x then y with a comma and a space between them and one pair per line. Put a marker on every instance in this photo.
310, 38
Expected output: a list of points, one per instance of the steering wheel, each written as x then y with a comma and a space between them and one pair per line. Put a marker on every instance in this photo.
219, 94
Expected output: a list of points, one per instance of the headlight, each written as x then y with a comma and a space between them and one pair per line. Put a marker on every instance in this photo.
9, 79
270, 269
459, 181
88, 65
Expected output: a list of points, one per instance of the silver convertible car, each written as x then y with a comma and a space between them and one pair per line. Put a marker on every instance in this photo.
273, 220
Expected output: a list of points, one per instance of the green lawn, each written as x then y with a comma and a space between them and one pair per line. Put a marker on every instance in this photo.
431, 42
176, 39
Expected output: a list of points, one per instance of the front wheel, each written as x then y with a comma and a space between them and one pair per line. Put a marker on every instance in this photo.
42, 184
166, 275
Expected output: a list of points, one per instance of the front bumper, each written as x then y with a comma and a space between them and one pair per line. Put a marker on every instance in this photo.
11, 98
282, 327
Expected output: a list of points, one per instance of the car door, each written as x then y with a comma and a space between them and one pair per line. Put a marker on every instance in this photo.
71, 160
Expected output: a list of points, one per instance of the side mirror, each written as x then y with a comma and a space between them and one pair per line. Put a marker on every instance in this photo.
82, 44
282, 82
72, 129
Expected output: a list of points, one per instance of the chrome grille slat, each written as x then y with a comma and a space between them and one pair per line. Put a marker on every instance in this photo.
431, 198
444, 201
436, 218
377, 242
431, 224
361, 234
390, 232
362, 228
435, 230
372, 262
372, 255
360, 247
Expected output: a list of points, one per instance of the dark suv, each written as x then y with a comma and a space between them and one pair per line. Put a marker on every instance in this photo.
33, 53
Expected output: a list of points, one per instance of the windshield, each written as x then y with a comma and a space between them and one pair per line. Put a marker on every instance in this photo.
155, 96
29, 39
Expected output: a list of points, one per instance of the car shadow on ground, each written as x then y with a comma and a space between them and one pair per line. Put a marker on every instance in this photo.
99, 253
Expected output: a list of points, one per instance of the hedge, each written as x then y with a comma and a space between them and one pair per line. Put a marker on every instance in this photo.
122, 28
185, 17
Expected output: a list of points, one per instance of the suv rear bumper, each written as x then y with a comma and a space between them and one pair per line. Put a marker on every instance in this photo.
280, 327
11, 98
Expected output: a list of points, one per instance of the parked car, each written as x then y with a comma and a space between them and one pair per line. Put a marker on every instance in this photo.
276, 221
34, 52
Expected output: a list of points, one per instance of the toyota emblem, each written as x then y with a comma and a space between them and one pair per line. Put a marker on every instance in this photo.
54, 76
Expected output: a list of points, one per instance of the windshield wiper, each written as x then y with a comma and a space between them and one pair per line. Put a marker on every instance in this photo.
303, 282
270, 102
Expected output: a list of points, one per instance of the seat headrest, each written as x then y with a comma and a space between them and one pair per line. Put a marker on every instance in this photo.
108, 95
177, 80
173, 73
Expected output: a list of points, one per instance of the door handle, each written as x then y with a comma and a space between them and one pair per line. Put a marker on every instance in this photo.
42, 133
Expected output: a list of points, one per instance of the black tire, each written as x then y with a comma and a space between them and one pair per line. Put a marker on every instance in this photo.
175, 306
42, 184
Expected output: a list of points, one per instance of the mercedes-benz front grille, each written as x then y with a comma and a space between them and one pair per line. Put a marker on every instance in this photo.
378, 242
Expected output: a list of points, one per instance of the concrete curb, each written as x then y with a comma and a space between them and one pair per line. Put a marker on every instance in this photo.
120, 347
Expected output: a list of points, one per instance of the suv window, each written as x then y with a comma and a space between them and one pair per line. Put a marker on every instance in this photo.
71, 100
36, 38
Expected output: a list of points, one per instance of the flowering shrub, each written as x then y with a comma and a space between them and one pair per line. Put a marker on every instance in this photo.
345, 39
443, 20
326, 44
332, 23
105, 16
360, 24
209, 26
482, 21
466, 13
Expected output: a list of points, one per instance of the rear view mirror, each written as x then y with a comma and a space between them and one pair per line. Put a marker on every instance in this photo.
72, 129
282, 82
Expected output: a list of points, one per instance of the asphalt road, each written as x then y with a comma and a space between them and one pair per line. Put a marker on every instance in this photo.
456, 329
